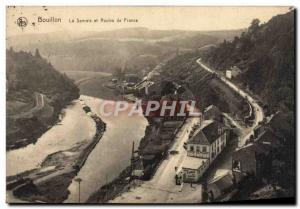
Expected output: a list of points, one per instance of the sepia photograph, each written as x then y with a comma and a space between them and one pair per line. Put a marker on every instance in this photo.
150, 105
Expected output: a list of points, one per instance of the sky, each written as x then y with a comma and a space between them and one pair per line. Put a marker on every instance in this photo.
162, 18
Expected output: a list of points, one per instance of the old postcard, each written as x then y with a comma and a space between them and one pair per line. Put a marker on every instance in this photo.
153, 105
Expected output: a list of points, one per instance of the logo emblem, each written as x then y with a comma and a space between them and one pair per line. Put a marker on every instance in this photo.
22, 22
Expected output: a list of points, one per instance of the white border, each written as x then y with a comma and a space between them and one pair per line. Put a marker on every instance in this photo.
4, 3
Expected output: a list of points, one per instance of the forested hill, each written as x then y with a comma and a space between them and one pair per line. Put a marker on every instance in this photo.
266, 55
36, 93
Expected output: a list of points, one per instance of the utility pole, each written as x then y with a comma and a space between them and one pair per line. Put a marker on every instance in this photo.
132, 159
106, 192
78, 180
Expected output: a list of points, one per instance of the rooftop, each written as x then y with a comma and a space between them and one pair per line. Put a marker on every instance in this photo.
250, 150
269, 137
207, 133
193, 162
221, 183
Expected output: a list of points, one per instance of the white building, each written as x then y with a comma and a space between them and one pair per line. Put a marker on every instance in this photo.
228, 74
193, 168
233, 72
203, 148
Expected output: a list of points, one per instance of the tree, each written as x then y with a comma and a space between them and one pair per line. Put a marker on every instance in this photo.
254, 25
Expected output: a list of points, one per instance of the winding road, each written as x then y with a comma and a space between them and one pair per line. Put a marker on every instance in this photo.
258, 111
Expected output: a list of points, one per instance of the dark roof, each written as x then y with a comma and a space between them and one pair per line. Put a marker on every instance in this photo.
211, 131
199, 138
248, 152
269, 137
277, 119
277, 122
263, 145
221, 183
208, 134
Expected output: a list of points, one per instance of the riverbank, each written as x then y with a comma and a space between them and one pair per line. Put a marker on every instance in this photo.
116, 142
111, 190
26, 128
36, 93
152, 150
49, 183
120, 184
125, 182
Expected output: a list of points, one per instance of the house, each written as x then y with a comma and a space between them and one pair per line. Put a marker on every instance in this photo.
219, 186
114, 80
271, 138
251, 160
228, 74
193, 168
168, 129
137, 166
148, 88
138, 169
233, 72
208, 142
202, 149
131, 78
256, 158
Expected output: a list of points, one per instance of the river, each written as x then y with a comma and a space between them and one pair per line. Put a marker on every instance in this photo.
75, 126
111, 155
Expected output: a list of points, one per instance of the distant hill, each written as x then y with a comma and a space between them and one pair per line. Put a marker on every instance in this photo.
137, 32
161, 35
36, 93
132, 48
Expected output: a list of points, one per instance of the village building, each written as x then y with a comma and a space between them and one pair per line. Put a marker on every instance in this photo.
131, 78
202, 149
248, 160
233, 72
137, 167
193, 168
208, 142
169, 129
255, 159
148, 88
114, 80
271, 138
220, 186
